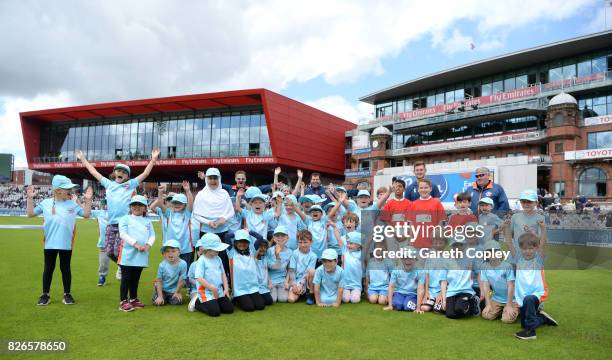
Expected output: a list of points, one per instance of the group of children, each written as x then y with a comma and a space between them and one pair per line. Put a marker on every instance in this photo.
279, 248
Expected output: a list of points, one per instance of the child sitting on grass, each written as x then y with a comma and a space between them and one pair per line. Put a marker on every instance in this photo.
406, 285
301, 270
497, 279
460, 299
328, 280
213, 290
377, 276
433, 275
171, 275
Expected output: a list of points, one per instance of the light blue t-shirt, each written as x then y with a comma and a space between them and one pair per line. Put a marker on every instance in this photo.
435, 268
329, 283
353, 207
476, 265
293, 224
163, 222
353, 269
529, 279
192, 283
406, 282
498, 278
178, 227
118, 197
319, 232
59, 228
101, 217
332, 241
257, 222
459, 278
489, 223
379, 274
278, 276
300, 263
234, 223
210, 270
262, 275
243, 270
519, 220
171, 274
140, 229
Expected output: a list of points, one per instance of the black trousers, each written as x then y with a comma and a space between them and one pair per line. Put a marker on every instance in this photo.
130, 277
267, 298
188, 257
50, 259
215, 307
250, 302
458, 306
530, 314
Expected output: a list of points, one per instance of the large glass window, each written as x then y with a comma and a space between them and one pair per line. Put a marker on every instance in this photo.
599, 140
599, 64
584, 67
510, 83
592, 182
498, 86
522, 81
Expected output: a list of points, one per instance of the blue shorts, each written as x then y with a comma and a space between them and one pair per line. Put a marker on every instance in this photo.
404, 302
377, 292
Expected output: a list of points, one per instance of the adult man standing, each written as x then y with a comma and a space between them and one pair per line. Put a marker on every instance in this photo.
484, 187
315, 187
412, 191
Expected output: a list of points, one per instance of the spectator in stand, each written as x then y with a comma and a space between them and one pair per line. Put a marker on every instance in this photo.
484, 187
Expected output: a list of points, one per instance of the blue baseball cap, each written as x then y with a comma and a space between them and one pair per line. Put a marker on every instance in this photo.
328, 206
278, 193
170, 244
486, 200
354, 237
363, 193
281, 229
179, 198
529, 195
261, 197
213, 172
62, 182
329, 254
292, 198
199, 243
242, 235
251, 192
492, 245
139, 199
211, 241
123, 167
341, 188
315, 208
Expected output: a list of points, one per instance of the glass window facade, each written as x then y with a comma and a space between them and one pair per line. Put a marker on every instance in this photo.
599, 140
592, 182
199, 135
595, 106
558, 70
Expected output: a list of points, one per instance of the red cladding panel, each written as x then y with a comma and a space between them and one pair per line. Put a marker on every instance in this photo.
304, 137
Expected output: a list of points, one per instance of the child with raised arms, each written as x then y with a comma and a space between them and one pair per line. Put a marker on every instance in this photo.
177, 219
59, 217
119, 193
301, 270
291, 221
328, 280
137, 237
257, 217
171, 276
213, 291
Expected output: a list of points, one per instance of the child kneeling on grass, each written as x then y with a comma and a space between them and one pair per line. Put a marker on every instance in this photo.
192, 282
243, 272
171, 275
301, 269
137, 237
328, 280
460, 299
213, 291
497, 276
406, 287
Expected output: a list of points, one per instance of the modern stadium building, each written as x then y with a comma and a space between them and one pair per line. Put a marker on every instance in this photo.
254, 130
541, 117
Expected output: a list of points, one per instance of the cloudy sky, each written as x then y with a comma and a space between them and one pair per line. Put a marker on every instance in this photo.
324, 53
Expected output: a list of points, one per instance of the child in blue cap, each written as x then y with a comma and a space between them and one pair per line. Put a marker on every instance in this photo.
213, 290
119, 192
406, 284
526, 221
279, 256
171, 276
137, 238
177, 220
352, 264
329, 280
291, 221
59, 215
243, 267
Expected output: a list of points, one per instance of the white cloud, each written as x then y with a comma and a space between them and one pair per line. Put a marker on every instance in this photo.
342, 108
454, 44
10, 127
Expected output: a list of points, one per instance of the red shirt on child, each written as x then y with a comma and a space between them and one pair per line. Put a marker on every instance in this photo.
424, 213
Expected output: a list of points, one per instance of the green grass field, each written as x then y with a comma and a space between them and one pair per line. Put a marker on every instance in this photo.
94, 328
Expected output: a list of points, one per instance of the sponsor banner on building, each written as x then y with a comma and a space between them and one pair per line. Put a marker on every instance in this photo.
470, 143
605, 153
349, 174
559, 84
362, 151
162, 162
598, 120
479, 101
450, 183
